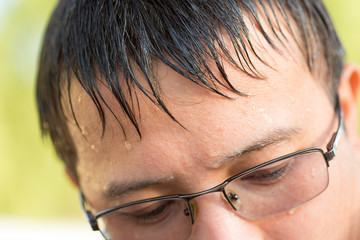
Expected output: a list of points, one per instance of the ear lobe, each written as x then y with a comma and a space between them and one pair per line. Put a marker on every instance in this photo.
72, 177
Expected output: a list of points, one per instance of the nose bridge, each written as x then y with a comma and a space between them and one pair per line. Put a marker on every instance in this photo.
192, 205
216, 219
229, 198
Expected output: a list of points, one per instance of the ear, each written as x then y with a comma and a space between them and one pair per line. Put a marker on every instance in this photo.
72, 178
349, 94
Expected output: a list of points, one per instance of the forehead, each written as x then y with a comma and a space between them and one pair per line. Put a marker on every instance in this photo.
174, 89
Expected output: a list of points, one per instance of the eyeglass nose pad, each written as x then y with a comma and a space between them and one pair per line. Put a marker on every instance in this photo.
191, 210
232, 199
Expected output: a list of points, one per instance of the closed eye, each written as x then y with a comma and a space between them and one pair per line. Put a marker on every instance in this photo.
149, 214
272, 174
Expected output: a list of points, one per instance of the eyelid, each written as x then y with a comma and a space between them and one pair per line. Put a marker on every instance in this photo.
153, 215
270, 175
143, 206
261, 156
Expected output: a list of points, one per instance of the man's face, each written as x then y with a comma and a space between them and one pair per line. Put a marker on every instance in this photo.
187, 159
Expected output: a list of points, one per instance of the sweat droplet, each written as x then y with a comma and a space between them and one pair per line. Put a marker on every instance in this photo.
127, 145
314, 172
84, 131
94, 148
266, 117
291, 212
79, 99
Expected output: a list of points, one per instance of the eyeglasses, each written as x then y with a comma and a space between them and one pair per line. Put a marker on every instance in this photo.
273, 187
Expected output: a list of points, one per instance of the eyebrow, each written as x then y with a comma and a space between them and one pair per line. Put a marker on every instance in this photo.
115, 189
276, 136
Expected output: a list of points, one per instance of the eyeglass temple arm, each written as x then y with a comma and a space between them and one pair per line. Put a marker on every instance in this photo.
334, 141
89, 215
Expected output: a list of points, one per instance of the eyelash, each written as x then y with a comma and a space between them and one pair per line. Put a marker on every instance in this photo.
154, 215
266, 177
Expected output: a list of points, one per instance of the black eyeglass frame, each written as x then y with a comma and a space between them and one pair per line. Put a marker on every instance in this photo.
328, 155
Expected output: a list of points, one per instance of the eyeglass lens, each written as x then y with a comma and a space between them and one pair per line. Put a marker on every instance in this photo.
167, 219
280, 186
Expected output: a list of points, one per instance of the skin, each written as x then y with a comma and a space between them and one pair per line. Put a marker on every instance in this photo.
190, 160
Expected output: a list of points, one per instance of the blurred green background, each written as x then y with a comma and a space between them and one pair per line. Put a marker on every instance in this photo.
32, 180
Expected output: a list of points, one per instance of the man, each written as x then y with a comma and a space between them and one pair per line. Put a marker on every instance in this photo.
204, 119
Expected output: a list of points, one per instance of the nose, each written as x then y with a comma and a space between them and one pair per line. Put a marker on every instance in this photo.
216, 220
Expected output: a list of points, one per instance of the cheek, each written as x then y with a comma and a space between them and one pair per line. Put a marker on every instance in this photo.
343, 172
309, 221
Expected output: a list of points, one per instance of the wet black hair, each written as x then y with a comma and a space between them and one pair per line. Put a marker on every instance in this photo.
89, 39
